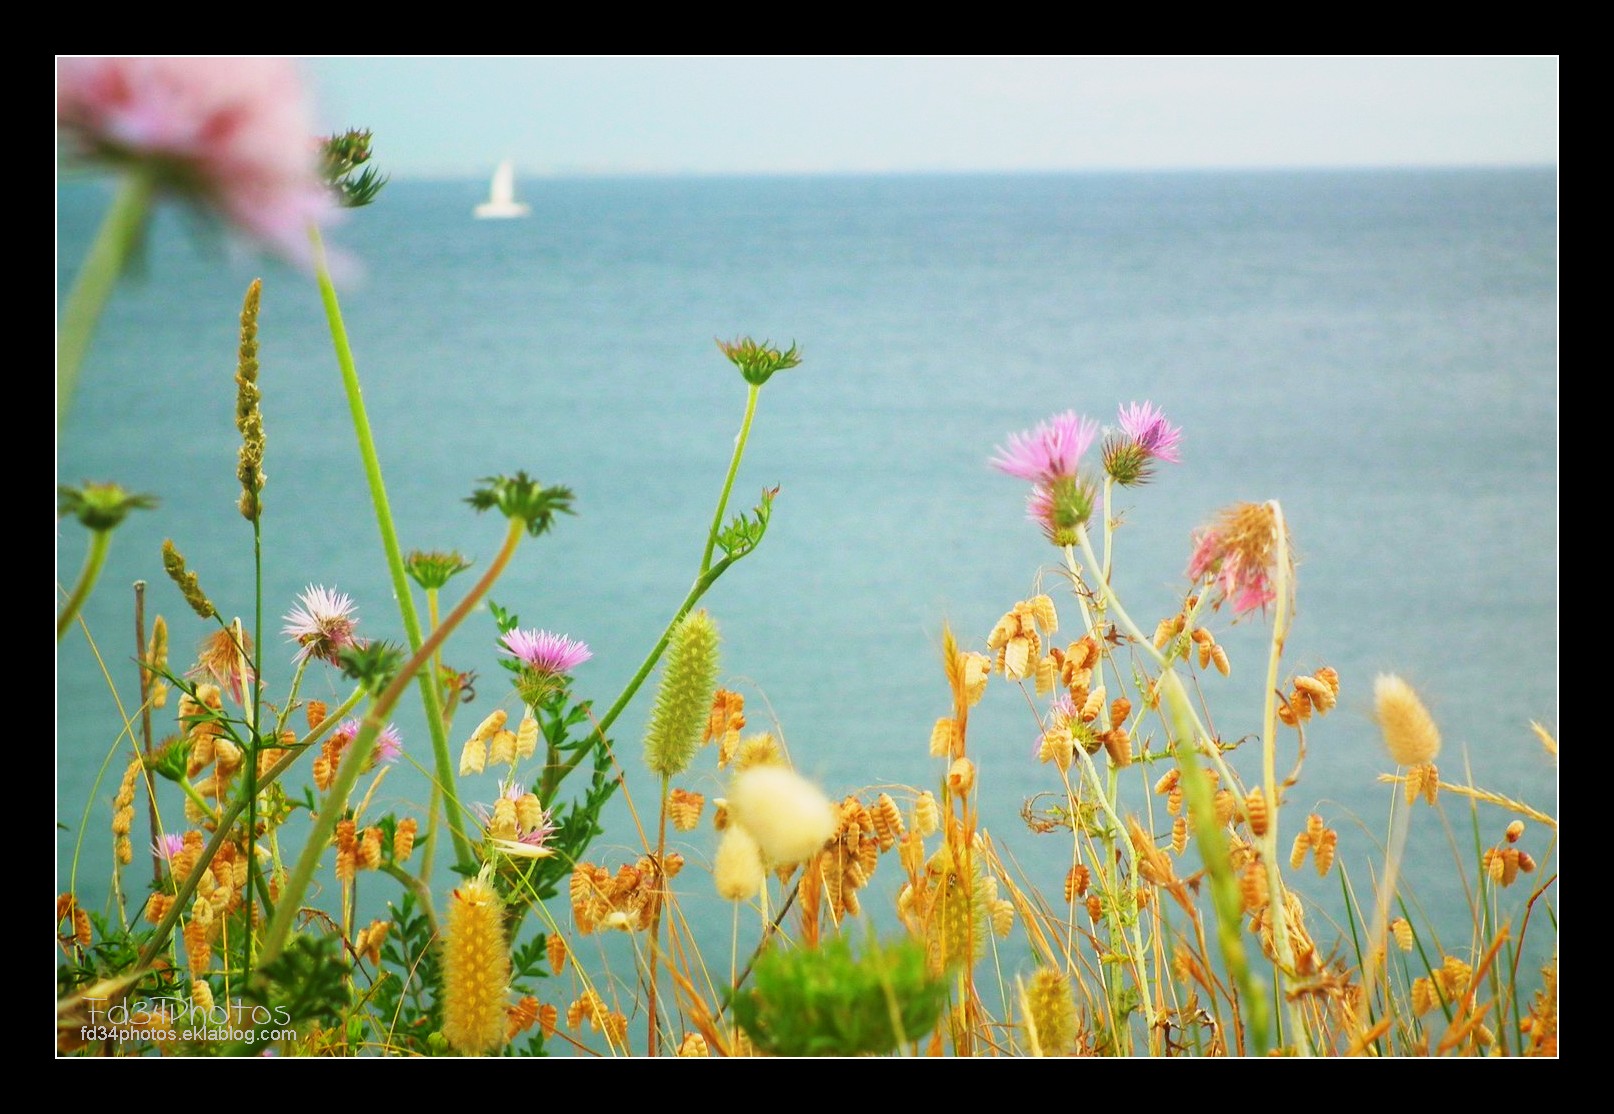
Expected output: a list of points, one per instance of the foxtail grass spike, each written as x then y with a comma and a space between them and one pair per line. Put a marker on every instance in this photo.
1410, 734
476, 969
189, 586
248, 412
685, 695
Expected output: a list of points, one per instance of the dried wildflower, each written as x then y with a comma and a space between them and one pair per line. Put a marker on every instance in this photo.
545, 659
321, 624
1409, 730
684, 807
476, 968
1049, 1007
1238, 556
684, 697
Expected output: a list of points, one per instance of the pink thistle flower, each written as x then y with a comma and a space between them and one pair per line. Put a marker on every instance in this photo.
233, 134
167, 846
1147, 426
1239, 555
1050, 452
389, 744
322, 623
544, 652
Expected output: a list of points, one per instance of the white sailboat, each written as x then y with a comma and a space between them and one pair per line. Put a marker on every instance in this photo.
501, 200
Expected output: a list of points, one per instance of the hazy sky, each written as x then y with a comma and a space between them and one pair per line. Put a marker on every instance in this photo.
745, 114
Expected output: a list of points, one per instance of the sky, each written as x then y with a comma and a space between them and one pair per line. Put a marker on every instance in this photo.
746, 114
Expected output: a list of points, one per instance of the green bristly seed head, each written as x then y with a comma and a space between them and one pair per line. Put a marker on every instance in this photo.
342, 155
100, 507
828, 1002
758, 362
685, 696
372, 665
435, 569
524, 498
1127, 462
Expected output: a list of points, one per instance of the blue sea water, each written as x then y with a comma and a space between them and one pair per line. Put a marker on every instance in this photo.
1377, 350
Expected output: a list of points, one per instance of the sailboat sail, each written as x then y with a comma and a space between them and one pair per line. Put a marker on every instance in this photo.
501, 200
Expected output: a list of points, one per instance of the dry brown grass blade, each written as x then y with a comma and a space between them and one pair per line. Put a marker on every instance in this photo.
1547, 741
1361, 1045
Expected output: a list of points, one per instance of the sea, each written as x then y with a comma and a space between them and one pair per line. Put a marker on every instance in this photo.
1377, 350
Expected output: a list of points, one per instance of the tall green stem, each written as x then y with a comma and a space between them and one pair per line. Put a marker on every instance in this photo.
728, 481
389, 533
114, 243
100, 540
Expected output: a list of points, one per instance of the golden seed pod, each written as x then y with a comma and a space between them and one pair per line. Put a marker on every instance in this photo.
1168, 780
202, 996
1423, 996
369, 855
1515, 830
1219, 659
693, 1044
961, 776
1299, 849
1510, 865
1431, 783
474, 758
1414, 783
493, 722
942, 736
1226, 806
502, 825
574, 1014
1095, 908
1047, 673
346, 864
1057, 747
527, 735
1179, 835
1093, 705
555, 948
346, 834
1315, 827
228, 755
615, 1027
1118, 744
1318, 691
684, 806
1255, 811
371, 939
1120, 708
1002, 916
403, 838
1165, 631
316, 712
1042, 613
1401, 929
520, 1017
1324, 855
82, 928
911, 853
529, 812
198, 948
157, 906
926, 814
1453, 975
1409, 731
1253, 886
502, 748
548, 1015
1526, 863
1204, 648
476, 969
1330, 677
887, 818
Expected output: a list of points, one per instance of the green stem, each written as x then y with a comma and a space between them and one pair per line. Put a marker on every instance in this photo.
358, 755
389, 533
100, 541
114, 243
728, 481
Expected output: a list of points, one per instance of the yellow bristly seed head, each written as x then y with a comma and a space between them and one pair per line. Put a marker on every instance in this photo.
1050, 1009
1409, 731
527, 735
788, 816
761, 749
476, 969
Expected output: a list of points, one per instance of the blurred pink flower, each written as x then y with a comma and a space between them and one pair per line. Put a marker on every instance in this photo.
1238, 556
234, 134
1147, 426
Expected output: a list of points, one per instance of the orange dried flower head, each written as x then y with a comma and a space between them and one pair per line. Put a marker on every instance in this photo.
684, 806
1238, 556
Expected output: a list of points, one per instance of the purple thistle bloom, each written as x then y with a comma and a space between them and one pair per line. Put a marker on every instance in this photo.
389, 744
322, 623
1049, 452
544, 652
1147, 426
167, 846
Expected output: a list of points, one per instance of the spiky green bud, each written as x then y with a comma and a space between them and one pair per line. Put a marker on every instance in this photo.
435, 569
685, 696
373, 664
100, 507
525, 498
341, 156
758, 362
